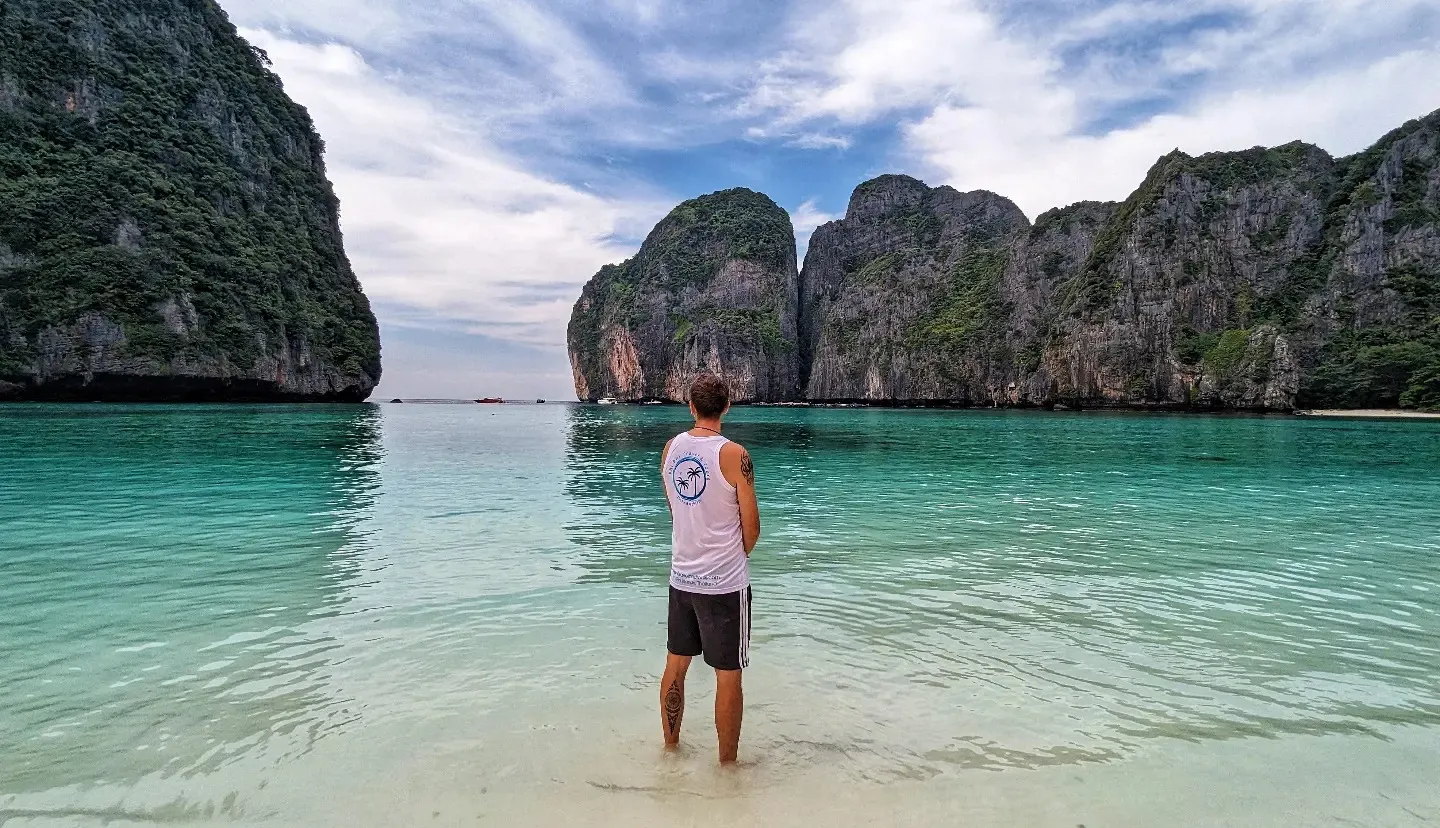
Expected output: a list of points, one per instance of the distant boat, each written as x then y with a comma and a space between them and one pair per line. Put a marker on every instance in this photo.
397, 400
606, 401
539, 402
652, 402
490, 400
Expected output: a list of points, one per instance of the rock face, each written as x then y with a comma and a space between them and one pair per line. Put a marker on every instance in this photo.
1256, 280
1175, 303
166, 227
712, 288
901, 301
1370, 316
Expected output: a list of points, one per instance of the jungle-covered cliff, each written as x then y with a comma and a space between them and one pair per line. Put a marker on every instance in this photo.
901, 300
713, 287
166, 227
1264, 279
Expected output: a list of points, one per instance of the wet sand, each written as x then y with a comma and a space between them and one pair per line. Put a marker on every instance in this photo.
1298, 780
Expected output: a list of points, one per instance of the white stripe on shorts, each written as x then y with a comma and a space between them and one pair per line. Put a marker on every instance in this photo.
745, 627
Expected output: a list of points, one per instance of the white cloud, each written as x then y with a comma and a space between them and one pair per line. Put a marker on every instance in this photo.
442, 228
818, 140
514, 62
1045, 166
879, 57
805, 219
375, 23
985, 106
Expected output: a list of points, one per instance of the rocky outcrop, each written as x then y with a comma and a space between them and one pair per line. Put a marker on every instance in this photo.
1371, 312
901, 298
1041, 262
166, 227
1263, 280
1256, 280
712, 288
1176, 303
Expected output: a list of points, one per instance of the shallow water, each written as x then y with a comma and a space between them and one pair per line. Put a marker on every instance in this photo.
417, 614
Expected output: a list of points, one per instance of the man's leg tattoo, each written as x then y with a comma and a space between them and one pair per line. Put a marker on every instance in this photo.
674, 707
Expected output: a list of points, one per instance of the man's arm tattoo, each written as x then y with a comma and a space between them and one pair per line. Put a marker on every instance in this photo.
674, 707
747, 468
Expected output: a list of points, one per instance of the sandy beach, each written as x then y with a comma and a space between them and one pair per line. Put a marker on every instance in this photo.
1382, 413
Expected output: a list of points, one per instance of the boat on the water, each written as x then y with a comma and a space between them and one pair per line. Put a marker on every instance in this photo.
539, 402
490, 400
606, 401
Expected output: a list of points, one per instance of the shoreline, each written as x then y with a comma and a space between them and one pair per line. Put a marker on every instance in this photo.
1372, 413
1333, 413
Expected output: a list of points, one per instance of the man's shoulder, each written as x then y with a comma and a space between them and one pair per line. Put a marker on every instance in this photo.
733, 448
735, 459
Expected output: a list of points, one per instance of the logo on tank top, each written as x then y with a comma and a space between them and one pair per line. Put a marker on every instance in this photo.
689, 477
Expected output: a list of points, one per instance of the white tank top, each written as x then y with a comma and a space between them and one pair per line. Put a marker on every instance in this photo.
707, 552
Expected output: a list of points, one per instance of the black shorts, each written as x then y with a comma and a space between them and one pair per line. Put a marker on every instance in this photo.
716, 625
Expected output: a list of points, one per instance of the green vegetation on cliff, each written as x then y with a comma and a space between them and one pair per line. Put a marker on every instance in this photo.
688, 246
972, 309
1395, 363
716, 277
149, 157
1096, 286
1385, 365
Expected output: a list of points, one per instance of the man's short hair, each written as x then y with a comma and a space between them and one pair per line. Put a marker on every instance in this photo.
709, 395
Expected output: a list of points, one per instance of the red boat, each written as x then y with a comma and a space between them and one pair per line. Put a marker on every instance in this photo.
490, 400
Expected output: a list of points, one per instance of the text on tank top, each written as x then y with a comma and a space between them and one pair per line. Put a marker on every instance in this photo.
707, 551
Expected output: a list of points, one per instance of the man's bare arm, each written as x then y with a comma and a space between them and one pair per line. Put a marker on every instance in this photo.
664, 484
739, 469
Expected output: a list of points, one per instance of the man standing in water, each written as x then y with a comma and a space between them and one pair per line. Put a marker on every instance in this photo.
710, 487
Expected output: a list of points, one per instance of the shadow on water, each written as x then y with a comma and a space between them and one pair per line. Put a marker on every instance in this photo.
159, 601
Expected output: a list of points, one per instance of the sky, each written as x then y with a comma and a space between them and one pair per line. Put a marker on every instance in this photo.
491, 155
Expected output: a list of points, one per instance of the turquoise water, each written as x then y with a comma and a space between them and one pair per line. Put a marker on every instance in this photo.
424, 614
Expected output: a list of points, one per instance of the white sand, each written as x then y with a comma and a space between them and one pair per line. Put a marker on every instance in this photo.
1385, 413
1373, 779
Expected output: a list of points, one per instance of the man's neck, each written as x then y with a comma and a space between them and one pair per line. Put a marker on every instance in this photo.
708, 426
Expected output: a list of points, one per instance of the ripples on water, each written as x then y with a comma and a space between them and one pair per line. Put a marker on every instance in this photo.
161, 579
185, 589
1063, 588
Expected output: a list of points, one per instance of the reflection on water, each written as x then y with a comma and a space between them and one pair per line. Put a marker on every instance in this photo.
621, 528
162, 568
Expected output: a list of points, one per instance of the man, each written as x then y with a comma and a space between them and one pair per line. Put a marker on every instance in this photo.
710, 488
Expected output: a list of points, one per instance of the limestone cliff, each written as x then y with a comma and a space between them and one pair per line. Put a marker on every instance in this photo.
1174, 304
901, 299
1255, 280
1263, 280
166, 227
712, 288
1371, 309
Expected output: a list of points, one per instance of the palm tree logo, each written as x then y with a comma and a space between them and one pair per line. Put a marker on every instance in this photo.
689, 477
